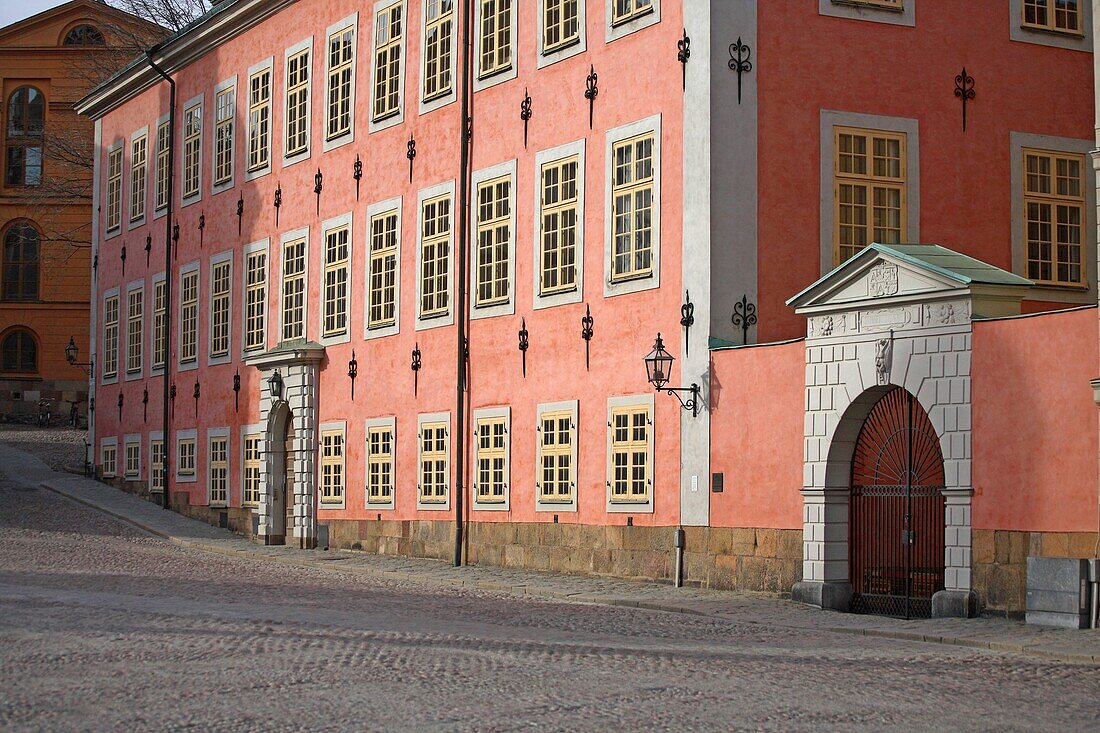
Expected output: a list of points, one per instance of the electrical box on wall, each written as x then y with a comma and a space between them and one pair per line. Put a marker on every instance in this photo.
1058, 592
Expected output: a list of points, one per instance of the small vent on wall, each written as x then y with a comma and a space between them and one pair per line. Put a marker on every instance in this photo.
718, 482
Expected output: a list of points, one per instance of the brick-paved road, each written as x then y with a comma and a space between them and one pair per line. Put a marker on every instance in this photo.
103, 628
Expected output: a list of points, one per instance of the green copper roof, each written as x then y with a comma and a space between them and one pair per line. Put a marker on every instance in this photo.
952, 264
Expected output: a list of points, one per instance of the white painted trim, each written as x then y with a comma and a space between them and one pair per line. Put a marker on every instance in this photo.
181, 435
615, 32
488, 413
303, 45
382, 207
507, 73
443, 99
114, 292
576, 295
399, 117
342, 426
127, 441
129, 376
856, 10
649, 282
627, 507
448, 318
545, 58
269, 65
248, 431
151, 191
212, 433
1073, 41
329, 224
261, 245
122, 188
154, 436
155, 371
132, 224
508, 168
284, 238
217, 259
216, 188
422, 419
197, 101
111, 442
351, 21
571, 406
381, 422
184, 270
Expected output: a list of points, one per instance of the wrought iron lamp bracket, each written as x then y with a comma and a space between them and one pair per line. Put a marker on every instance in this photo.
691, 403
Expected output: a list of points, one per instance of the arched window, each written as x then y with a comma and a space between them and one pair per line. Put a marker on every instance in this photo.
26, 119
19, 279
84, 35
18, 352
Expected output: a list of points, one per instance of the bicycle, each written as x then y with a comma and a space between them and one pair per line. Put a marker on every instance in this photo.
45, 412
74, 414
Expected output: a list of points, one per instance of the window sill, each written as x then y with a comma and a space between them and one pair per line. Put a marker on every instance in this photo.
1057, 33
870, 6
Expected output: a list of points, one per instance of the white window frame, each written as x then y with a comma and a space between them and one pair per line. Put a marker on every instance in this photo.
215, 187
264, 246
133, 222
425, 419
569, 150
155, 436
185, 199
157, 279
341, 427
382, 207
303, 45
388, 423
284, 239
114, 231
856, 10
111, 443
650, 125
337, 222
443, 319
211, 435
615, 32
190, 434
351, 21
154, 167
506, 73
267, 65
132, 287
441, 100
491, 413
507, 308
211, 358
247, 432
1017, 31
104, 377
131, 441
545, 408
189, 268
631, 507
546, 58
399, 116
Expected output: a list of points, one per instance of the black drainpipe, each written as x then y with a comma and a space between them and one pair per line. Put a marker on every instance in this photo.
466, 130
167, 437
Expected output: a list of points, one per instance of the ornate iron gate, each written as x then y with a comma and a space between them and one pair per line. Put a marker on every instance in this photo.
896, 519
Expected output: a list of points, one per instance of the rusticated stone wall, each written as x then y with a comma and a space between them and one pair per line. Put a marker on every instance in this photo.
1000, 563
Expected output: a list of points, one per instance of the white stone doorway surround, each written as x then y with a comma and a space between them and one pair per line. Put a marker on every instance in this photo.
893, 315
296, 362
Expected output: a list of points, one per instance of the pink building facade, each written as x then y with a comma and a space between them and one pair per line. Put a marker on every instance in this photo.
368, 334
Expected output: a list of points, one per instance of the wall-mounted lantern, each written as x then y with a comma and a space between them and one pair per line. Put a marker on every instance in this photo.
71, 352
658, 366
275, 384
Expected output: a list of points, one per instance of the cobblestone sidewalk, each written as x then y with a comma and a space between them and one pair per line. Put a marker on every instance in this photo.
983, 633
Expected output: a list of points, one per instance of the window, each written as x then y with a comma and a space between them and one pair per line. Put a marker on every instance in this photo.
259, 120
380, 464
336, 282
297, 103
560, 211
889, 4
251, 449
110, 336
220, 279
560, 24
138, 170
294, 289
632, 196
1054, 211
26, 121
185, 456
192, 149
84, 35
156, 466
114, 188
492, 460
494, 223
496, 37
255, 300
624, 11
224, 110
135, 328
557, 434
19, 352
341, 55
433, 463
869, 189
630, 436
133, 458
435, 243
20, 277
437, 48
218, 486
108, 459
189, 316
332, 466
387, 62
163, 139
160, 324
382, 302
1062, 16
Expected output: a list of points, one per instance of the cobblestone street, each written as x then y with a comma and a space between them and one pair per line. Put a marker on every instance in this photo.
103, 627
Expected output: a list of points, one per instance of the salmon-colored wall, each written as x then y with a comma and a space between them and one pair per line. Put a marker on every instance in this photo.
625, 326
807, 62
1034, 423
758, 405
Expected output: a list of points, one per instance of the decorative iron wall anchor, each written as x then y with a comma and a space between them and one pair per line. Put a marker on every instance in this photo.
148, 247
318, 186
357, 173
95, 263
240, 213
523, 344
740, 62
237, 390
278, 201
744, 315
172, 393
416, 368
202, 226
122, 256
525, 114
195, 394
145, 404
586, 332
591, 91
175, 240
683, 53
120, 406
469, 129
353, 372
687, 319
410, 153
964, 90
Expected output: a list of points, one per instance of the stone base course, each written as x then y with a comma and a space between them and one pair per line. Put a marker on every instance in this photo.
1000, 563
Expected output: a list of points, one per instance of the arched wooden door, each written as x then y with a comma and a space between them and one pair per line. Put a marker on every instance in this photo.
896, 514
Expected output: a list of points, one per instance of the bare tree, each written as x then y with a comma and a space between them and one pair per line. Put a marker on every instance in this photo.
170, 14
